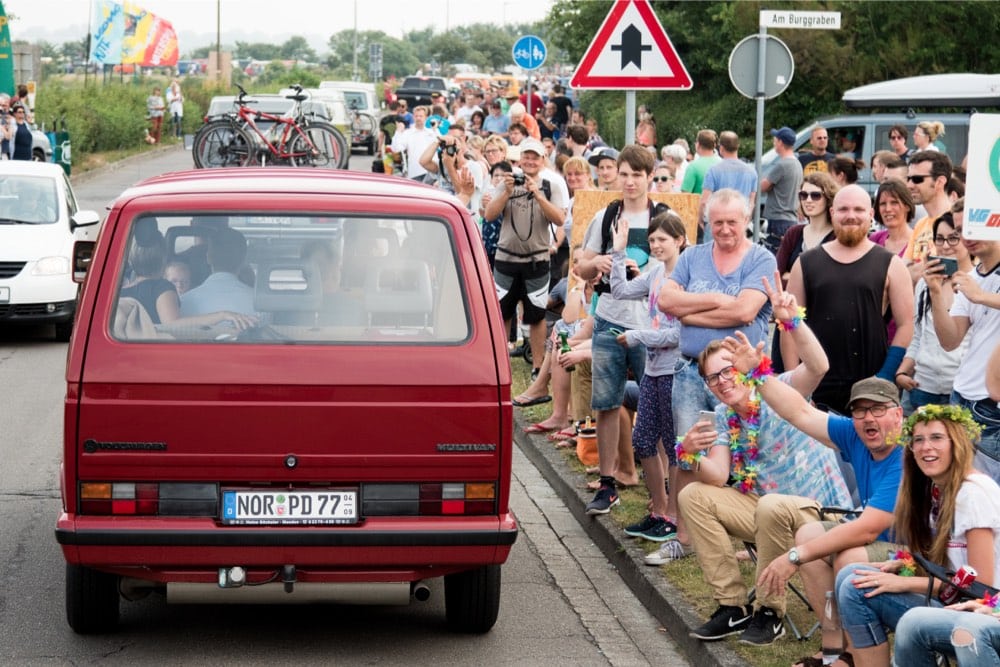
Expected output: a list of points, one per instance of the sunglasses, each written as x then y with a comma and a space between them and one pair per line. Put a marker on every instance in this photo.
661, 179
894, 137
917, 180
815, 195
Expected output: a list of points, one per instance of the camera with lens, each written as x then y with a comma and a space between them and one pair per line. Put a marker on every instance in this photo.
447, 148
518, 179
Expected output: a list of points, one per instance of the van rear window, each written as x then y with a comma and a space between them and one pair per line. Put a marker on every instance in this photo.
296, 279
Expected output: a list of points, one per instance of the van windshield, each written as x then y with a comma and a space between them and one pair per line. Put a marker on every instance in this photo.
295, 279
29, 200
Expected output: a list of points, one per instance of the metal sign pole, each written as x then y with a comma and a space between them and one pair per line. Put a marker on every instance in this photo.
759, 148
629, 117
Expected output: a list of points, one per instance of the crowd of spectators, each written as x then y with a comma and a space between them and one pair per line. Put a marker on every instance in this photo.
881, 318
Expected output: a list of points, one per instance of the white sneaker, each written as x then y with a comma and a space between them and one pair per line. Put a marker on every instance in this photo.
668, 551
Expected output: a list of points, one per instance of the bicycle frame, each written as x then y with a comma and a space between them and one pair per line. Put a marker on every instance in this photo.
279, 147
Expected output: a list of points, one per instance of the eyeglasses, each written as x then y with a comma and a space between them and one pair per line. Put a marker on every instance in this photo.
877, 410
952, 240
660, 179
815, 195
895, 137
19, 111
917, 180
936, 439
727, 373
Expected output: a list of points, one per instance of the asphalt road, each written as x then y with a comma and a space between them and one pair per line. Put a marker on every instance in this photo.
563, 602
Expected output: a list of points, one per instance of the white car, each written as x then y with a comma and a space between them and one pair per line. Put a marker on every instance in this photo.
39, 226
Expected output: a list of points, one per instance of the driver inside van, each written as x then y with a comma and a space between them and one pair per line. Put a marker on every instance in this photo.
222, 290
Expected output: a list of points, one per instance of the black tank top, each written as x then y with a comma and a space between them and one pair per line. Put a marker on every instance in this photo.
844, 303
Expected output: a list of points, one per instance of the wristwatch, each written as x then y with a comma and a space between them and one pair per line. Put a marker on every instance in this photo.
793, 556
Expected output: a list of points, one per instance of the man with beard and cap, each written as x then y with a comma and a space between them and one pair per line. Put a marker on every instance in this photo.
847, 286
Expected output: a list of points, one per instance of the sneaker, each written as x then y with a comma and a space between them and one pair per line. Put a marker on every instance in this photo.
671, 550
605, 498
653, 528
764, 628
724, 622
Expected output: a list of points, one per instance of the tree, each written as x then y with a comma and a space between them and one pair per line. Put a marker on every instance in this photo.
297, 48
257, 51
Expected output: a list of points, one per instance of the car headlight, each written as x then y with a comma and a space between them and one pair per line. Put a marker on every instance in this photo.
51, 266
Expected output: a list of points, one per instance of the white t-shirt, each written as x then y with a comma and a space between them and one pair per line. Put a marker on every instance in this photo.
976, 506
982, 337
628, 313
414, 142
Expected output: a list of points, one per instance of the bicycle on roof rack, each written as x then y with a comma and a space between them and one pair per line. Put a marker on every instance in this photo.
294, 138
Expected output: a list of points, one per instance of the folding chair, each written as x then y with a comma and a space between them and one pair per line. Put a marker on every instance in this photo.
752, 550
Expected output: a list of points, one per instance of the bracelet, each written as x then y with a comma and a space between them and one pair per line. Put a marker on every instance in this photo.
909, 565
685, 459
792, 324
756, 376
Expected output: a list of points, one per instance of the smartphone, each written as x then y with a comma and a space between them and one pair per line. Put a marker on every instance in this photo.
709, 416
950, 264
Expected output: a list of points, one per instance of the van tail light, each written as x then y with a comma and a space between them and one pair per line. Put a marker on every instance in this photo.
458, 498
149, 499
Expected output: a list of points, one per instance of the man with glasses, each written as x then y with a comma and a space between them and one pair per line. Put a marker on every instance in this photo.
731, 172
973, 313
816, 159
897, 140
867, 440
848, 285
928, 175
764, 500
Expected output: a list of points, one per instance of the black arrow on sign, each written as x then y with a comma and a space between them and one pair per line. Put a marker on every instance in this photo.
631, 46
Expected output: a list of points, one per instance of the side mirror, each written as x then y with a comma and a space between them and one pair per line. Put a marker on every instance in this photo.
83, 254
84, 219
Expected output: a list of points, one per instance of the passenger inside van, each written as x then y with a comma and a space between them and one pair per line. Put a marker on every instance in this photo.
222, 290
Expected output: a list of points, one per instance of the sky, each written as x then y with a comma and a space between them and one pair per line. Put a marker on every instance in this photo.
271, 20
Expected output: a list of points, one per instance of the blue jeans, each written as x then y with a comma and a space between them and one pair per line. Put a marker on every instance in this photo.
925, 630
610, 363
866, 619
690, 394
919, 398
986, 413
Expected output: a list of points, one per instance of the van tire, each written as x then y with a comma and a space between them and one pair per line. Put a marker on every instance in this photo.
63, 331
91, 600
472, 599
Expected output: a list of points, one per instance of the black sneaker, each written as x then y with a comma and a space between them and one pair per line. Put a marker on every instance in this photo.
764, 628
724, 622
605, 498
653, 528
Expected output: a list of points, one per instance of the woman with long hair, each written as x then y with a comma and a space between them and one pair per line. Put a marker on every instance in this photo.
844, 169
927, 372
947, 511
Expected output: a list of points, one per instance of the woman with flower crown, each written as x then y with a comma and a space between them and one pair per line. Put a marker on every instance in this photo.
754, 469
947, 511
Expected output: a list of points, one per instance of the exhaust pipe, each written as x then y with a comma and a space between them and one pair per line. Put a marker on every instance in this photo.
421, 593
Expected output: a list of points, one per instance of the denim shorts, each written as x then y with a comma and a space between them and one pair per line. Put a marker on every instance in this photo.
987, 414
610, 364
690, 395
866, 619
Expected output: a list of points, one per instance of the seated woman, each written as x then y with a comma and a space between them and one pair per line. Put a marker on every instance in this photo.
947, 511
158, 296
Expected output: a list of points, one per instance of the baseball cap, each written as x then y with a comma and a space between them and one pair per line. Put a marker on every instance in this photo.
874, 389
531, 144
786, 134
603, 153
513, 153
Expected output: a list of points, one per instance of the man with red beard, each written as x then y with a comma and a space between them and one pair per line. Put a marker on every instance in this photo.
847, 286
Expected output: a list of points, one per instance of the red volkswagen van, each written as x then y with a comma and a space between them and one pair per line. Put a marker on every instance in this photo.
286, 385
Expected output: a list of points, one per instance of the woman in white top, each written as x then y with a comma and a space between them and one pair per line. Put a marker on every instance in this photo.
175, 102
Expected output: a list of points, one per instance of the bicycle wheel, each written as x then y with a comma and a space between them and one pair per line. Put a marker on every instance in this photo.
319, 145
222, 144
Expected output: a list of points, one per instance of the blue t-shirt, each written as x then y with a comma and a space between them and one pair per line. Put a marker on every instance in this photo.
696, 273
878, 481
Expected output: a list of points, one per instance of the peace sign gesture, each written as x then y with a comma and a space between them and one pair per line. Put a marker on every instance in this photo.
783, 303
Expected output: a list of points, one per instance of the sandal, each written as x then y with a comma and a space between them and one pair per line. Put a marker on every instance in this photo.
813, 661
566, 444
567, 432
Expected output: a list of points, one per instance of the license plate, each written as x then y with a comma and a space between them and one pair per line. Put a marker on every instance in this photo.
260, 507
4, 294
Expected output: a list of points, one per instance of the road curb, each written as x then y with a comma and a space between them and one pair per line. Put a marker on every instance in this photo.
658, 595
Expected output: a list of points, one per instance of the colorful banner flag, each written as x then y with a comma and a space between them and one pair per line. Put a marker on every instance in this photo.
6, 56
127, 33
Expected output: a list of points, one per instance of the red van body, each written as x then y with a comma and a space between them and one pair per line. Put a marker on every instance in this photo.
312, 456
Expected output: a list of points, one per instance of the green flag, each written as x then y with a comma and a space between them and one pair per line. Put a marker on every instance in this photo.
6, 56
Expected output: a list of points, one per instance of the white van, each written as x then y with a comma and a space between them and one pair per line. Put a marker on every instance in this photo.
871, 132
39, 225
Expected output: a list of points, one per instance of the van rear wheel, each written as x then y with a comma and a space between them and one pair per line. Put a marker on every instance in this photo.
472, 599
91, 600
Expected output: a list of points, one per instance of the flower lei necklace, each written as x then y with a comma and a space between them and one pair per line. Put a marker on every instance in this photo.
744, 468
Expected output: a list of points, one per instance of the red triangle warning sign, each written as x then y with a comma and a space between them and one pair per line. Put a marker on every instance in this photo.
631, 51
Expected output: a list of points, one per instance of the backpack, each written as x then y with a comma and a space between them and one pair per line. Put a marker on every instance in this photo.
611, 215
